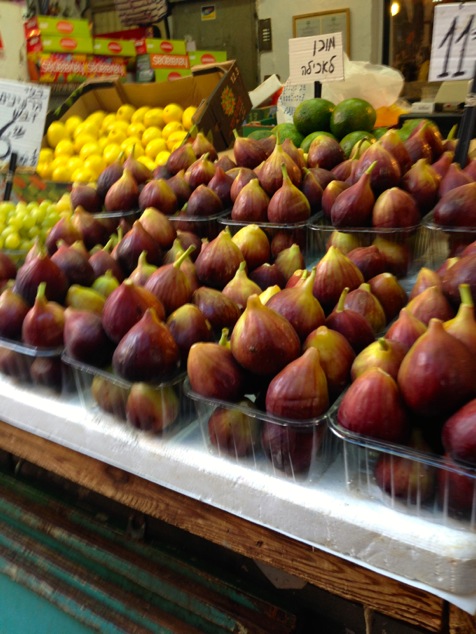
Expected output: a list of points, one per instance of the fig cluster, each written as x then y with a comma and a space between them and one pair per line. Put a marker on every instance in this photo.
413, 390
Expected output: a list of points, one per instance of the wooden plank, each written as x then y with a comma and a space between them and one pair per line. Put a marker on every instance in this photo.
321, 569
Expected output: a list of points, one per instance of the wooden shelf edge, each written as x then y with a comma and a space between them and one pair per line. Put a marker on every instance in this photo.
326, 571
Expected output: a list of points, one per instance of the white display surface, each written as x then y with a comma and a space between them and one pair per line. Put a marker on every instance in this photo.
436, 558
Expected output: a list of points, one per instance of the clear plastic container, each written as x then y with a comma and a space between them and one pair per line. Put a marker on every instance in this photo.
404, 245
440, 242
40, 368
289, 233
158, 408
203, 226
241, 432
408, 480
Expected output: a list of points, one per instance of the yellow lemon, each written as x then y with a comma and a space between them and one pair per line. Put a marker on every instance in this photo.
148, 162
136, 129
72, 123
81, 140
95, 163
56, 132
64, 148
154, 116
61, 173
175, 139
111, 152
108, 121
96, 117
102, 142
125, 112
138, 115
154, 147
131, 140
187, 116
83, 175
87, 127
162, 157
88, 149
151, 133
116, 135
46, 154
43, 169
59, 161
74, 162
172, 112
173, 126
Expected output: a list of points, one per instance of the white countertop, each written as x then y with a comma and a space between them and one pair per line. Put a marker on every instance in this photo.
438, 558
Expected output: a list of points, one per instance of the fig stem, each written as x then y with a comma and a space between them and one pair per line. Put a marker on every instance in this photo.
370, 167
224, 337
465, 295
340, 304
184, 255
452, 132
383, 343
41, 293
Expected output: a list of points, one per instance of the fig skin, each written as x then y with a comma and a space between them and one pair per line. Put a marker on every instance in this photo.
147, 352
373, 406
152, 409
299, 391
263, 342
459, 435
214, 373
233, 432
436, 376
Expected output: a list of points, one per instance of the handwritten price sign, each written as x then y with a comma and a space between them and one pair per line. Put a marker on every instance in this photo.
23, 109
316, 58
453, 50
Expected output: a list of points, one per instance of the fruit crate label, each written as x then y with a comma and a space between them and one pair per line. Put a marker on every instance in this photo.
453, 46
23, 108
316, 58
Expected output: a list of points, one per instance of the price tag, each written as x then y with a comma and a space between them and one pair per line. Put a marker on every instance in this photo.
453, 48
316, 58
23, 109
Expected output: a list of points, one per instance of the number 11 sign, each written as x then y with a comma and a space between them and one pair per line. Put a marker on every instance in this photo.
453, 49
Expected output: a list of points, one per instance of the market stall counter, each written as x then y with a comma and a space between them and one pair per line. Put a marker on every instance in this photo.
397, 564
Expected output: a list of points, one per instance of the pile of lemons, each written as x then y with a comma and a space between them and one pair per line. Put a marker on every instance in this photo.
78, 149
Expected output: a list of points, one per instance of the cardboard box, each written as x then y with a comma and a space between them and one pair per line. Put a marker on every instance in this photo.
61, 44
218, 91
206, 57
65, 67
177, 47
120, 48
45, 25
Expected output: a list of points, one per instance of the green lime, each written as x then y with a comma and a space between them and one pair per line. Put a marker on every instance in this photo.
380, 131
259, 134
350, 115
313, 114
287, 131
310, 138
348, 142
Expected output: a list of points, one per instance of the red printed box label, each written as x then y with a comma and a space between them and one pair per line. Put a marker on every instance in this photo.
169, 61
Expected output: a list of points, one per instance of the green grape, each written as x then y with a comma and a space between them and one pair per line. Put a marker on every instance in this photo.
34, 231
12, 241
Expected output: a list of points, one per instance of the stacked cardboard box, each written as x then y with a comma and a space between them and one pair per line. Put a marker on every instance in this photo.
63, 50
166, 60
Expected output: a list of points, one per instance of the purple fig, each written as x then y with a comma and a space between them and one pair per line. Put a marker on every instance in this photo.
147, 352
213, 371
262, 341
373, 406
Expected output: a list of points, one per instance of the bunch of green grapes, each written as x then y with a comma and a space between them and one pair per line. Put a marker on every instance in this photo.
21, 224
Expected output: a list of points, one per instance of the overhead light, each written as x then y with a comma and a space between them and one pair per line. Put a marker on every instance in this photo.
394, 9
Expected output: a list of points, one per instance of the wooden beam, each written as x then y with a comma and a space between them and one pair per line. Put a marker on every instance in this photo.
328, 572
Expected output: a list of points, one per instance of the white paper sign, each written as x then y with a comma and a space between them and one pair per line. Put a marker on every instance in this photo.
316, 58
453, 47
23, 109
